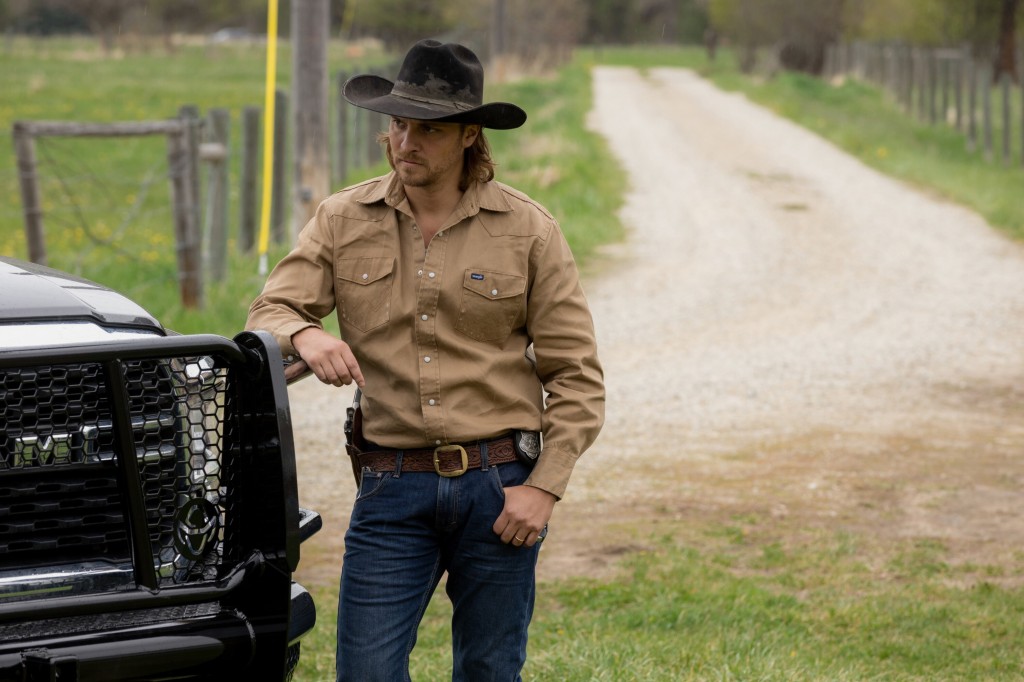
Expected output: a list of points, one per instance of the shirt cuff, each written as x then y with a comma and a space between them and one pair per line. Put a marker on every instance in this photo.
552, 471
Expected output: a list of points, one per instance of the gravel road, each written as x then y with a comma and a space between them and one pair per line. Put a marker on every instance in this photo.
789, 338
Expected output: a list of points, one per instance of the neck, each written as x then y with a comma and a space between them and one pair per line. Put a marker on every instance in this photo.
432, 206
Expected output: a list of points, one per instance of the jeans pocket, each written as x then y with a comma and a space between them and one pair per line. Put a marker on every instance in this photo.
371, 483
509, 475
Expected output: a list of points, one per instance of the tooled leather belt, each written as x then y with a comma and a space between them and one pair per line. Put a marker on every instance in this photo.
444, 460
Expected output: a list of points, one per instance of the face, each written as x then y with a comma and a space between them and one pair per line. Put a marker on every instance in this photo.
428, 154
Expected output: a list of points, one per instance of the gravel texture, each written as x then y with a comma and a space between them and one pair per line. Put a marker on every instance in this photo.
787, 335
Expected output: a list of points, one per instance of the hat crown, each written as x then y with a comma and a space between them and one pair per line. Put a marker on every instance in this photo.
441, 74
436, 82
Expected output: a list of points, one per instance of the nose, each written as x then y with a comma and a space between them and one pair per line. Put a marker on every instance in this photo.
402, 138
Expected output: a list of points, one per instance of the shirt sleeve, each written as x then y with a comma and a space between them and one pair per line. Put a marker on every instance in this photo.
299, 292
562, 330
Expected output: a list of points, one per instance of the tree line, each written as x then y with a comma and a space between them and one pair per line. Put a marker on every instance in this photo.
800, 30
803, 30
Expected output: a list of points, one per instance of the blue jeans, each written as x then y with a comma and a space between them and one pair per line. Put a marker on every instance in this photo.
406, 530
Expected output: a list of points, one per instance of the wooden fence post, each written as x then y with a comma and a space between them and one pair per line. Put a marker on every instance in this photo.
923, 88
278, 227
1005, 80
972, 101
986, 109
372, 148
341, 131
932, 67
310, 94
958, 92
181, 164
217, 153
25, 150
944, 69
249, 174
1020, 71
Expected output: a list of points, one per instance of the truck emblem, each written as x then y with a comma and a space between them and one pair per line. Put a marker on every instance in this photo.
53, 449
195, 528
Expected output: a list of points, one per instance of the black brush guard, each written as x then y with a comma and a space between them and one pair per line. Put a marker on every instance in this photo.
149, 518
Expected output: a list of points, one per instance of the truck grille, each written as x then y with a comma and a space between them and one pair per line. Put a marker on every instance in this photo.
65, 490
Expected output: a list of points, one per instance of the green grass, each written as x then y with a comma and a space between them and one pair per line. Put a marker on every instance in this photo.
744, 611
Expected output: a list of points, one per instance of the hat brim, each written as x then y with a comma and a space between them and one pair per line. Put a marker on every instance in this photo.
374, 93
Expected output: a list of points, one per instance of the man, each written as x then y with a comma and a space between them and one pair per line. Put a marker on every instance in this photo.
442, 279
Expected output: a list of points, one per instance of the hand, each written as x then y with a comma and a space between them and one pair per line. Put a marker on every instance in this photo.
330, 358
527, 510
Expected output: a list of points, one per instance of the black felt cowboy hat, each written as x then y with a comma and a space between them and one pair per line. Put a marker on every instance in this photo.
437, 82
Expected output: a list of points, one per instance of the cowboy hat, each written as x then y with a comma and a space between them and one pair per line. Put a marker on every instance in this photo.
437, 82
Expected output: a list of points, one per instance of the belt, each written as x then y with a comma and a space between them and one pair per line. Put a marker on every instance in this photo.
444, 460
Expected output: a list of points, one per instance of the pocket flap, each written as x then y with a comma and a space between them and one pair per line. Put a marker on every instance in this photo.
365, 270
494, 285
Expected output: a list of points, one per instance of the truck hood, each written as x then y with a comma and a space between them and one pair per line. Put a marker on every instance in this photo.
33, 293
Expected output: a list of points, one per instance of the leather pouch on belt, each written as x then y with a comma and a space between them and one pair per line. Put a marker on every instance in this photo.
354, 441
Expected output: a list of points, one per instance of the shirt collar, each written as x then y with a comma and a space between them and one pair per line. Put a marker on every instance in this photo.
487, 196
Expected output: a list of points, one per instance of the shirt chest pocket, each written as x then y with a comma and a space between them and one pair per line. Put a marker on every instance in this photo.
364, 291
491, 303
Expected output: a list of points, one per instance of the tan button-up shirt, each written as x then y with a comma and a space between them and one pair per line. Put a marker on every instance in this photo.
441, 332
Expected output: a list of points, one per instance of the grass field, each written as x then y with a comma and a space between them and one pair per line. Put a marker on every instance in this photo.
731, 606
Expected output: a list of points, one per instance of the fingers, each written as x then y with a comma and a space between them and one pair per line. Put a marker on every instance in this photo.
524, 517
523, 537
330, 358
352, 365
334, 370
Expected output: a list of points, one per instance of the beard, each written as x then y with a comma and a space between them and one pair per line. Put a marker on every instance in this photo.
423, 172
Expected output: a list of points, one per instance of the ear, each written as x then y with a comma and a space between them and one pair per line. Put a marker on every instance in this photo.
469, 135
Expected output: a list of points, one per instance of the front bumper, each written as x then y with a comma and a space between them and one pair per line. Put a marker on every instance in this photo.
194, 583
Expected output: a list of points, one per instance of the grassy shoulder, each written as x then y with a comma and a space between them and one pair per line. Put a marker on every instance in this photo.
738, 609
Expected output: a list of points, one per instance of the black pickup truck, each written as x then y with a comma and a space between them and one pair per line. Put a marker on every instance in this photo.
149, 517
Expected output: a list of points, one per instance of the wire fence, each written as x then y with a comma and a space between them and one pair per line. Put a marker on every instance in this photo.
943, 86
107, 198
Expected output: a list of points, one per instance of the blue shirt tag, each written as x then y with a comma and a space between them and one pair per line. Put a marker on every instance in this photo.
476, 275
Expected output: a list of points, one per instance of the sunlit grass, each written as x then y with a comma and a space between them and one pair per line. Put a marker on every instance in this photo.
742, 610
